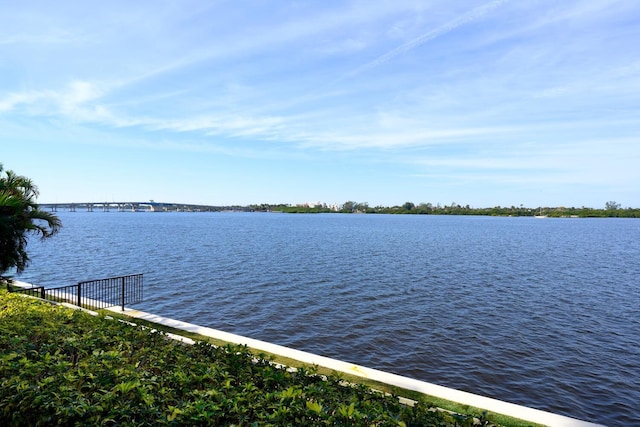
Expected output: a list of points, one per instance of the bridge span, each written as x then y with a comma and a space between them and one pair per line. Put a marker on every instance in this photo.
149, 206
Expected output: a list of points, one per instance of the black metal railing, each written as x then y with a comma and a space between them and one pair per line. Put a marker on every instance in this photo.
94, 294
36, 291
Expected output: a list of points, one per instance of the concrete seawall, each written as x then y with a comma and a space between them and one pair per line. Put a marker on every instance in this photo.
492, 405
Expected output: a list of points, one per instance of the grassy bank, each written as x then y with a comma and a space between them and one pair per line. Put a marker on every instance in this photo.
66, 367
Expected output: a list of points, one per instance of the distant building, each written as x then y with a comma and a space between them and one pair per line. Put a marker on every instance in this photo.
321, 205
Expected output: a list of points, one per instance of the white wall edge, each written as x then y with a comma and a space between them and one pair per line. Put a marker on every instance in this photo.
465, 398
493, 405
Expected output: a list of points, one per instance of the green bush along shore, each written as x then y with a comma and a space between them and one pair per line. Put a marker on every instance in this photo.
60, 366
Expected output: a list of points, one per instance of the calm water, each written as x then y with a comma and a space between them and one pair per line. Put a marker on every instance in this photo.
539, 312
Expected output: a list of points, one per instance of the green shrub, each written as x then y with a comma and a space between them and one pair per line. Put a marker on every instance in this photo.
60, 366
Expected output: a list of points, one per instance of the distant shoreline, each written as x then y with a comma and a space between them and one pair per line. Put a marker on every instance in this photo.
355, 208
427, 209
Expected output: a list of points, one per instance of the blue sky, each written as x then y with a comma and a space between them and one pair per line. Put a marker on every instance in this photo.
224, 102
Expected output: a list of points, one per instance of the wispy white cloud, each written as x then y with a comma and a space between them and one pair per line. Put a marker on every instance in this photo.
39, 39
603, 80
575, 162
14, 100
505, 90
71, 102
466, 18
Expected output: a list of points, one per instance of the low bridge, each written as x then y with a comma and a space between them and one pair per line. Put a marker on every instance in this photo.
149, 206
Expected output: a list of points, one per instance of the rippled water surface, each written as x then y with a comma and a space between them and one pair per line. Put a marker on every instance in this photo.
539, 312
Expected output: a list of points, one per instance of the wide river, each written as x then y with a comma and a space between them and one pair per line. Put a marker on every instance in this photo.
538, 312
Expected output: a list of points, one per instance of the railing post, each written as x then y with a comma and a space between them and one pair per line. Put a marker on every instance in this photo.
79, 293
42, 293
122, 293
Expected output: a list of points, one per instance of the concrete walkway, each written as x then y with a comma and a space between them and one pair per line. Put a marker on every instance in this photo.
492, 405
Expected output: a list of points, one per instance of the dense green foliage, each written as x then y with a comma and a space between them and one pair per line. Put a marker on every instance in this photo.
611, 210
60, 366
19, 217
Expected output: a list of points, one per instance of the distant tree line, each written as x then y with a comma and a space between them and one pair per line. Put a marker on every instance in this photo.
611, 210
